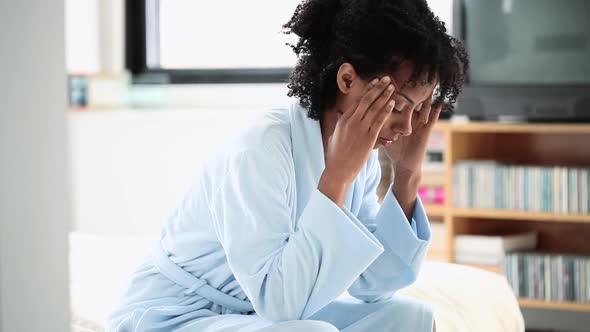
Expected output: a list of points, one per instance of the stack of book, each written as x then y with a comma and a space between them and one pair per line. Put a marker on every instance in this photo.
431, 190
549, 277
438, 241
489, 185
433, 161
491, 249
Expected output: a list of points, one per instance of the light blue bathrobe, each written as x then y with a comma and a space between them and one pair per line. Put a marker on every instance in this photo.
254, 244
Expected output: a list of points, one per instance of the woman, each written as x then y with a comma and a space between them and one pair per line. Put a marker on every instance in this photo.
285, 219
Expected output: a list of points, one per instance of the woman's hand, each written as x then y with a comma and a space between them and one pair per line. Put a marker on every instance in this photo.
354, 137
407, 152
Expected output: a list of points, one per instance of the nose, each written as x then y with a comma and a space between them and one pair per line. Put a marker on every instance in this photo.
403, 125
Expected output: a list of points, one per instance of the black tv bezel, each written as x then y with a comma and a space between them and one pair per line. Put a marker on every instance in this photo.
533, 92
460, 32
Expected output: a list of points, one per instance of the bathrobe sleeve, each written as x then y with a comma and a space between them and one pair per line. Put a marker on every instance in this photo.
289, 269
405, 243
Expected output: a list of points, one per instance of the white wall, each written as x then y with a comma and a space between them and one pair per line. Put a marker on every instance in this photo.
131, 168
444, 10
82, 32
33, 190
94, 36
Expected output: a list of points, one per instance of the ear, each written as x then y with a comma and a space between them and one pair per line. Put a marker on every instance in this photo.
346, 78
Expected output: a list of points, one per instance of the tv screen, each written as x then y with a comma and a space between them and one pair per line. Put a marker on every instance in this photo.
527, 42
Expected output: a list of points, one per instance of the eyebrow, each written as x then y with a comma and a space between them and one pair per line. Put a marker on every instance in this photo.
408, 98
401, 93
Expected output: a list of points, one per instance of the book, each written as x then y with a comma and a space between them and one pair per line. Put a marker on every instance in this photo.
548, 276
494, 245
465, 258
431, 195
490, 185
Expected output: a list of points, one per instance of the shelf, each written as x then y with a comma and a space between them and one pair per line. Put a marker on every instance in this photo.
531, 303
518, 215
490, 268
563, 144
437, 255
436, 210
433, 179
96, 109
514, 128
442, 125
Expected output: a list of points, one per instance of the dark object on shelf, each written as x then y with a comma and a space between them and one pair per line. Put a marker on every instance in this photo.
77, 91
529, 59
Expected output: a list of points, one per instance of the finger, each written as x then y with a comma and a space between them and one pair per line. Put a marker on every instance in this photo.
426, 110
436, 114
380, 119
354, 108
378, 105
371, 96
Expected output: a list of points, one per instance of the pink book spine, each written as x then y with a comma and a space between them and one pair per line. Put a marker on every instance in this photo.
431, 195
439, 195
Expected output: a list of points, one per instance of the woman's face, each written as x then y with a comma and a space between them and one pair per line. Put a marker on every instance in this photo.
409, 98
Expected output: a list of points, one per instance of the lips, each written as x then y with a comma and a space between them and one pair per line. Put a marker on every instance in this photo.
385, 141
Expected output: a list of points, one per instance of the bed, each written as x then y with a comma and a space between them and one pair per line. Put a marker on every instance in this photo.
464, 299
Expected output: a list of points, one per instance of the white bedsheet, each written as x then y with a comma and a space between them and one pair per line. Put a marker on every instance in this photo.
463, 298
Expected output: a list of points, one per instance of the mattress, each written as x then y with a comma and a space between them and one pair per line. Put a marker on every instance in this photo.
463, 298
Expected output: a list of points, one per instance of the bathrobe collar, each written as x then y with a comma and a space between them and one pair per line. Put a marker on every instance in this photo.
308, 155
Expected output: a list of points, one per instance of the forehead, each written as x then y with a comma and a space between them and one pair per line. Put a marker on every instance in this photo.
417, 91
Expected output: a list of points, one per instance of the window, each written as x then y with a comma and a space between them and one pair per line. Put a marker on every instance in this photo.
204, 41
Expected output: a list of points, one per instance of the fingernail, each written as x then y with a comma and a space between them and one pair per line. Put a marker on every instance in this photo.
390, 87
386, 79
374, 81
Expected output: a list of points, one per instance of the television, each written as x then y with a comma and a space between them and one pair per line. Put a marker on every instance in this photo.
529, 59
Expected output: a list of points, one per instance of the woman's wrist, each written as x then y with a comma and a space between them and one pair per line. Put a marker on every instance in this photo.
405, 177
405, 189
333, 188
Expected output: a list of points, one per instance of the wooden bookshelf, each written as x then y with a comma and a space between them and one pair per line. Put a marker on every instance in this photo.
435, 210
436, 255
531, 303
495, 127
519, 215
529, 144
491, 268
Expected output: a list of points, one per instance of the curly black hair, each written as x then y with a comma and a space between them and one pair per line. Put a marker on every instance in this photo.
375, 36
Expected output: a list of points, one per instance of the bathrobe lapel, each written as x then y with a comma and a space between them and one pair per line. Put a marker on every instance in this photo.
308, 157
